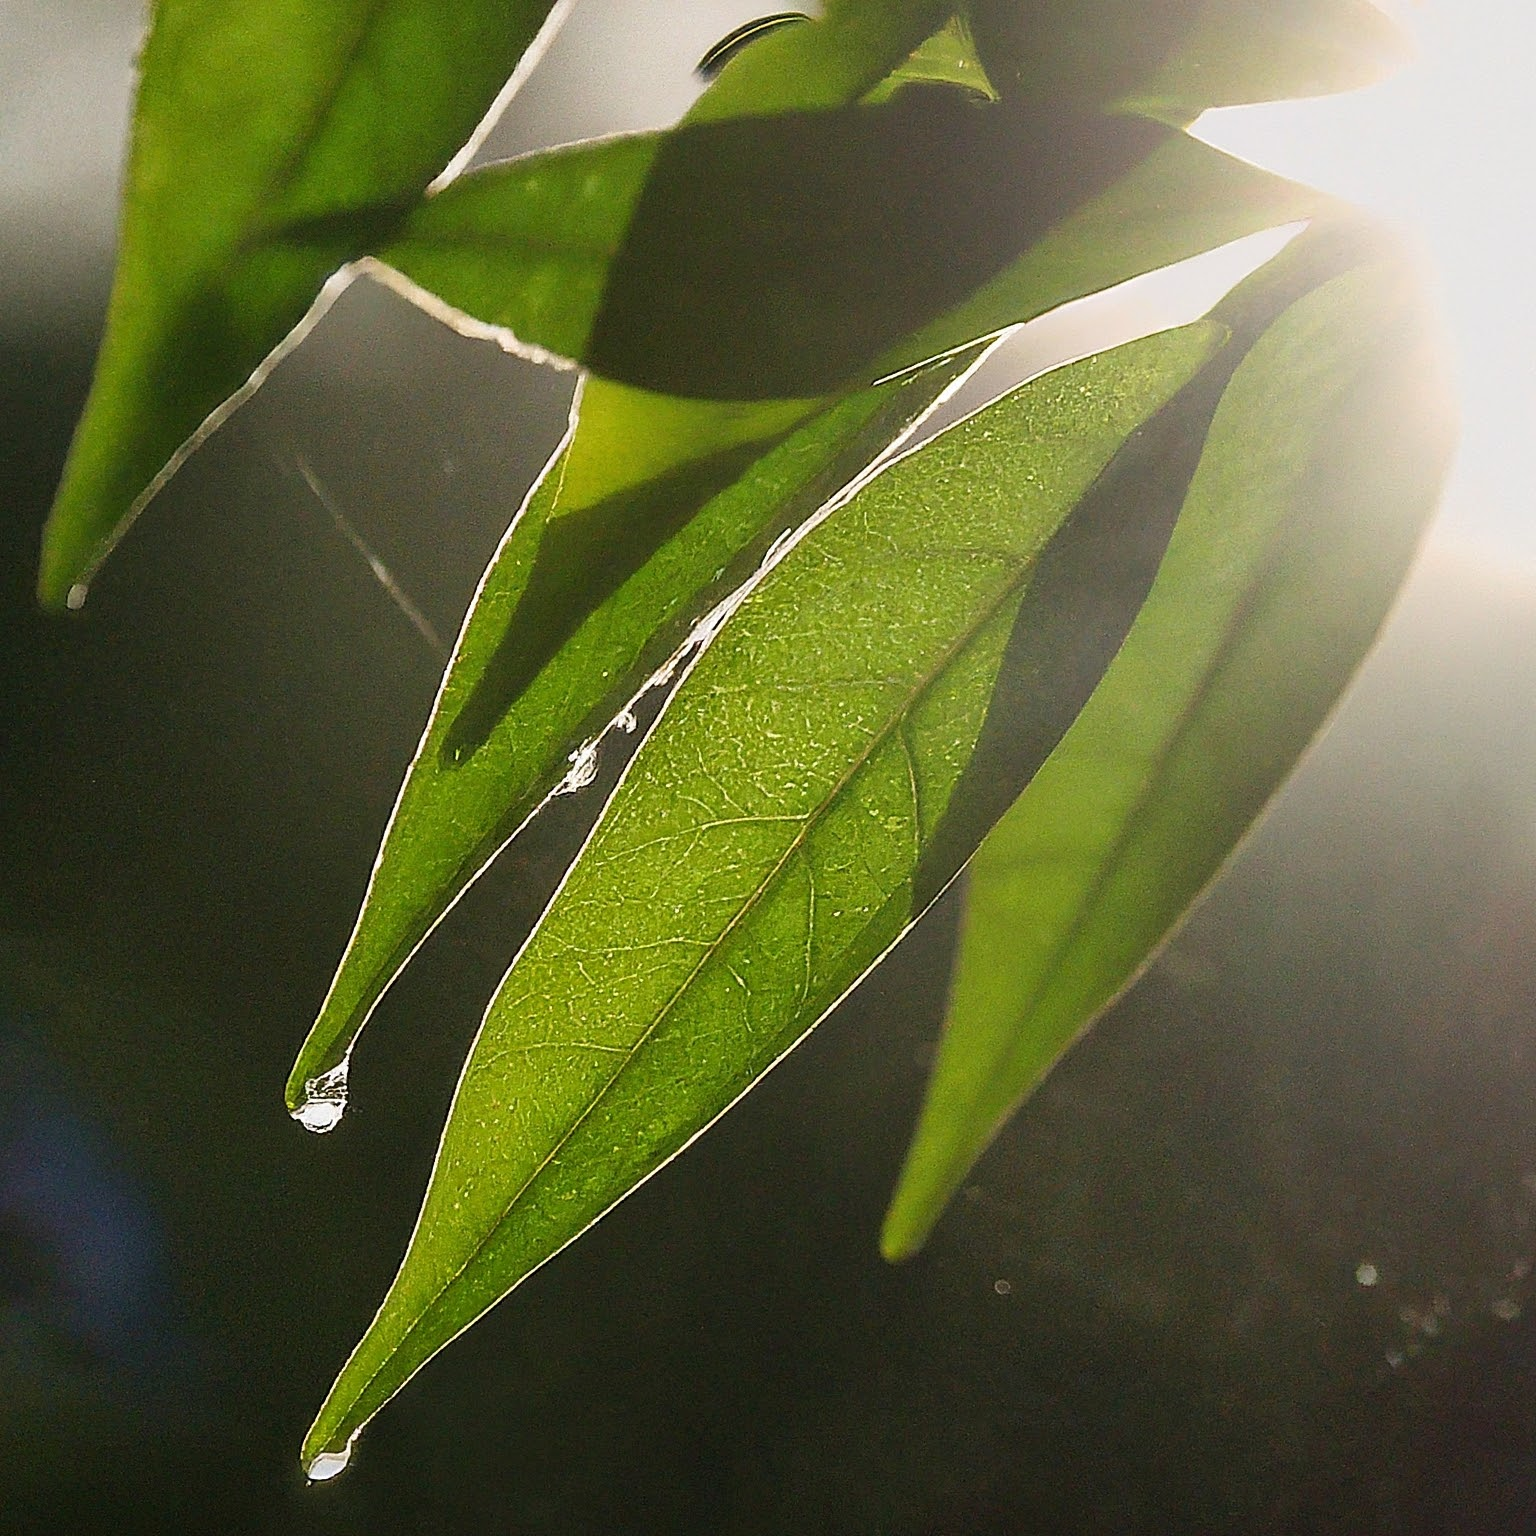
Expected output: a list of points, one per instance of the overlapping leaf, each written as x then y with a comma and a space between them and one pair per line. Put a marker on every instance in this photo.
767, 841
1323, 465
786, 257
639, 465
1175, 58
534, 674
273, 140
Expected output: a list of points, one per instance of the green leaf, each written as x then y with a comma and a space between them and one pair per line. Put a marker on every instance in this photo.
273, 141
822, 63
765, 844
763, 257
1174, 58
638, 466
1322, 468
949, 57
545, 661
798, 255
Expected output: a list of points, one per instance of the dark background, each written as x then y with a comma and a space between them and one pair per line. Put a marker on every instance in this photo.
1145, 1312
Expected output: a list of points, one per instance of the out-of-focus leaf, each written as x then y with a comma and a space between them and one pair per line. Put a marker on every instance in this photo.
537, 671
762, 847
825, 62
949, 57
1322, 467
786, 257
762, 257
273, 140
1174, 58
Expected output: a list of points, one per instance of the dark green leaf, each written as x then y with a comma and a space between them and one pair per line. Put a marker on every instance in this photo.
273, 141
1174, 58
791, 256
760, 851
1322, 467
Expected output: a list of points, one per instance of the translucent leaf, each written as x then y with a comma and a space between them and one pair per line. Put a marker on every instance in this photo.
1322, 467
537, 673
639, 465
1174, 58
761, 257
765, 844
273, 140
787, 257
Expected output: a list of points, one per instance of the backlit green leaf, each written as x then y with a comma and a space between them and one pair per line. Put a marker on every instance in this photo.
762, 257
536, 672
1175, 58
766, 844
638, 466
1323, 465
786, 257
273, 141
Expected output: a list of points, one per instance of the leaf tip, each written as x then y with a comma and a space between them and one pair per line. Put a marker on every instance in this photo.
908, 1223
322, 1459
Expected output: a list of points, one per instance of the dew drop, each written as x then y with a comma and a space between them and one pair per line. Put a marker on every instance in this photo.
328, 1464
325, 1102
75, 598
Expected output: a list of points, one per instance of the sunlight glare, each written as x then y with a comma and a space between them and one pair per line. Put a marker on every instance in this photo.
1447, 150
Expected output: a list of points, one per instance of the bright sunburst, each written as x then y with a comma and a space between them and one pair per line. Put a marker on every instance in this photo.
1446, 148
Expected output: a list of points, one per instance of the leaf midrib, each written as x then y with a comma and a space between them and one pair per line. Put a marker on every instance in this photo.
985, 614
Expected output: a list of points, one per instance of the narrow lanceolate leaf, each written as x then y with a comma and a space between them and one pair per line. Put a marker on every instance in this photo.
762, 257
1322, 467
273, 141
639, 466
535, 674
1175, 58
767, 843
787, 257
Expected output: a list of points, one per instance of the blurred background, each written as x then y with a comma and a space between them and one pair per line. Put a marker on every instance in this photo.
1257, 1258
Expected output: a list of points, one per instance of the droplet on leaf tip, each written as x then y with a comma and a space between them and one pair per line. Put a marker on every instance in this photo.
328, 1464
325, 1100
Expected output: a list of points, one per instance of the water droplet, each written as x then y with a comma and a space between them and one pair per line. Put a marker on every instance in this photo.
583, 769
75, 598
1002, 1287
329, 1464
325, 1102
1366, 1273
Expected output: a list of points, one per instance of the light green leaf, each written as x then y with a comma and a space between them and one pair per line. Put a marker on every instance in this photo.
821, 63
536, 672
953, 220
1322, 468
1174, 58
638, 466
766, 844
273, 141
763, 257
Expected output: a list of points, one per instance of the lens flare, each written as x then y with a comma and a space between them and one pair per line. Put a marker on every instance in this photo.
1447, 150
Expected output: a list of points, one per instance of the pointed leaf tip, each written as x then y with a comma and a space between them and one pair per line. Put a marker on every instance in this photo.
1321, 470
